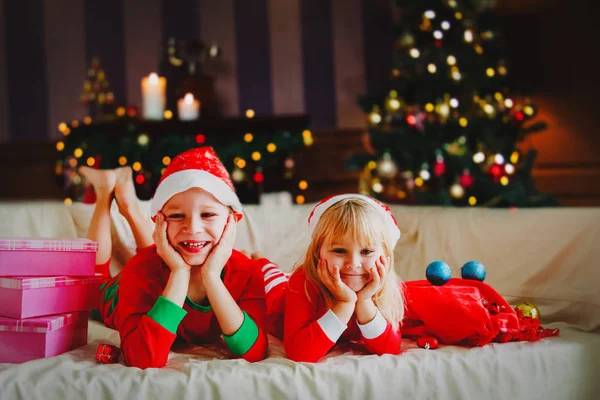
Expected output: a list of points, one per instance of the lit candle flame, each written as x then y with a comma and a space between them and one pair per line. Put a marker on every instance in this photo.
188, 98
153, 79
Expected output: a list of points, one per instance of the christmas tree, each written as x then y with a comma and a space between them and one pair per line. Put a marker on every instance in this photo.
447, 127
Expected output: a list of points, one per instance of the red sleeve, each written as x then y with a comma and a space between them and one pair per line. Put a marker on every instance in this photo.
252, 301
145, 343
304, 339
389, 342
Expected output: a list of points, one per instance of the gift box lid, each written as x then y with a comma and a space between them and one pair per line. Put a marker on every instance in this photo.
38, 324
27, 283
48, 244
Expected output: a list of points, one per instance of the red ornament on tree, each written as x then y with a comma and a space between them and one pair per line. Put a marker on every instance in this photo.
520, 116
439, 168
496, 171
466, 179
131, 111
259, 177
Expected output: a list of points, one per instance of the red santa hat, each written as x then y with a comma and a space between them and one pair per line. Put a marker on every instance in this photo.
201, 168
390, 222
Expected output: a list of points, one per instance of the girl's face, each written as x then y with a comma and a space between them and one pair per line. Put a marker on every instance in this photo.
353, 259
195, 223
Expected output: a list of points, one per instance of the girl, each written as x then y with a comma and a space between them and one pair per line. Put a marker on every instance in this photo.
190, 284
345, 287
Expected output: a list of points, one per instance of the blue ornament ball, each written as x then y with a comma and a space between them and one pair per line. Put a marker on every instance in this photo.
473, 270
438, 273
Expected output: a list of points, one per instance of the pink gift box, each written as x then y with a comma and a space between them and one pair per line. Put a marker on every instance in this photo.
25, 297
47, 257
29, 339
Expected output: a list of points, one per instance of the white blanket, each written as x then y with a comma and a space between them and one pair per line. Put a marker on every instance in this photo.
564, 367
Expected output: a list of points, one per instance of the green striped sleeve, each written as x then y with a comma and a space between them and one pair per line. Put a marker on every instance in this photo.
167, 314
241, 341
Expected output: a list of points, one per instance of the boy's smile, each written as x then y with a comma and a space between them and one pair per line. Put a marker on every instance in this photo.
195, 223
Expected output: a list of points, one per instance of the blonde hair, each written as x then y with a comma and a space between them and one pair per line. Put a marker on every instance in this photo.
363, 223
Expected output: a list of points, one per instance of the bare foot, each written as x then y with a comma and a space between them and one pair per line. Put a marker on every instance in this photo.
103, 180
125, 190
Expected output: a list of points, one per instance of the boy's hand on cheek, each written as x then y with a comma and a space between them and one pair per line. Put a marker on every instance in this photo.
164, 249
216, 260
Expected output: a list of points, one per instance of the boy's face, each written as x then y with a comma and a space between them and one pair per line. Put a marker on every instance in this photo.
353, 259
195, 223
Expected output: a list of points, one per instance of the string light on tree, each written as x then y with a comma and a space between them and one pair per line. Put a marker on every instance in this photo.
514, 157
438, 35
478, 157
415, 53
386, 168
238, 175
509, 168
499, 158
375, 116
432, 68
468, 36
451, 60
445, 25
457, 191
430, 14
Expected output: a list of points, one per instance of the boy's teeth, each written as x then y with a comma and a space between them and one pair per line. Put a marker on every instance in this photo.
194, 245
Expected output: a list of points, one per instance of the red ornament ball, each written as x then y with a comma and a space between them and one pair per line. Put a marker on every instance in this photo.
200, 138
428, 342
140, 179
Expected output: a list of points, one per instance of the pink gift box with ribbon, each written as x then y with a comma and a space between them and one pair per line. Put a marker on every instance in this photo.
47, 257
26, 297
29, 339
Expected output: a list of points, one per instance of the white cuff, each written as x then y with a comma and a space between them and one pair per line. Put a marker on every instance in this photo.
332, 326
374, 328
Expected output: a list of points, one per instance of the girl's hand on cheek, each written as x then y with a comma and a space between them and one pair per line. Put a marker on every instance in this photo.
378, 274
330, 277
164, 249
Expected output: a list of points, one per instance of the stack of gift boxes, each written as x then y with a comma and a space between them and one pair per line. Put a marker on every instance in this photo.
47, 289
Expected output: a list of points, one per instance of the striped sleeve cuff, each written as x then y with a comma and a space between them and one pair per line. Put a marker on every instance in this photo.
374, 328
167, 314
244, 338
331, 325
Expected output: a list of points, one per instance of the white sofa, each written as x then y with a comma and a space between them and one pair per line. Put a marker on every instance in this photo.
547, 256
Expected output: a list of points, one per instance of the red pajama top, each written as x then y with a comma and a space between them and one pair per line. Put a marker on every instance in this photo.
148, 323
311, 329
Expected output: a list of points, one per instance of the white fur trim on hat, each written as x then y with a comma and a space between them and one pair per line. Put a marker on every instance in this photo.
390, 221
181, 181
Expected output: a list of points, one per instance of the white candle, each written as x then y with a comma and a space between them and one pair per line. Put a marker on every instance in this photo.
188, 108
153, 96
